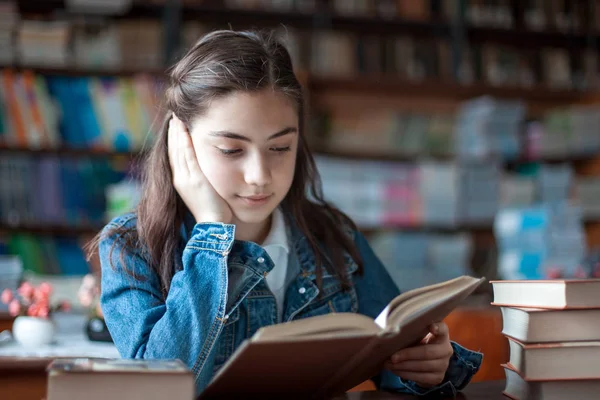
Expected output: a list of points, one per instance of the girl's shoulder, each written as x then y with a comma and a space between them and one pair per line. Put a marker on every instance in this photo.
121, 234
124, 221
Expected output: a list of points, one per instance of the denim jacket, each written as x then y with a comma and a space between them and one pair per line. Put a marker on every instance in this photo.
218, 297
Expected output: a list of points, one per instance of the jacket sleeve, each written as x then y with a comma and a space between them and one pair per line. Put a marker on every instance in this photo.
375, 289
185, 324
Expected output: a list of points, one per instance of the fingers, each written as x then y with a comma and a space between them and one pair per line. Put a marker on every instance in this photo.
182, 139
189, 155
171, 143
431, 351
440, 333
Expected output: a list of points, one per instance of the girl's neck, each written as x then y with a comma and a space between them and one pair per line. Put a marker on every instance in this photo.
253, 232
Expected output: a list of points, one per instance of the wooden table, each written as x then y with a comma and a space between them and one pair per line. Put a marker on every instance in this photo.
22, 379
489, 390
27, 380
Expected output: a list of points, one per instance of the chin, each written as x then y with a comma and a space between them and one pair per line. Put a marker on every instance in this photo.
253, 216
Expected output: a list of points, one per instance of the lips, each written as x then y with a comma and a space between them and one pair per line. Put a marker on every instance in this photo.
257, 197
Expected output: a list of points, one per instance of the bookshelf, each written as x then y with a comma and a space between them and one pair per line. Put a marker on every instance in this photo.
52, 230
70, 152
385, 85
366, 88
508, 163
84, 72
451, 26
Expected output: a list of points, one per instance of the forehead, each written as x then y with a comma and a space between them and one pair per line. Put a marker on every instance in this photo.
253, 114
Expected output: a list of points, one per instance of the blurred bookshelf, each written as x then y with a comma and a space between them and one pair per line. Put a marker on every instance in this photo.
430, 88
53, 230
70, 152
83, 71
411, 70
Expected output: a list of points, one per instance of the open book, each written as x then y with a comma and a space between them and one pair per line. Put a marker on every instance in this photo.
327, 355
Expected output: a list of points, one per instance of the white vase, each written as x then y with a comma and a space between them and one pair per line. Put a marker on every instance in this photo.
33, 331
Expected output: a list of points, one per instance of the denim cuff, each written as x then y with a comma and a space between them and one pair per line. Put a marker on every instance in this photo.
212, 236
463, 365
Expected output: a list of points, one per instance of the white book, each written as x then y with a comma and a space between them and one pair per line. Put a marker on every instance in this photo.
535, 325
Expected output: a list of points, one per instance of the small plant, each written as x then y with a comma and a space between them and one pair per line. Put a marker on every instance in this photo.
32, 301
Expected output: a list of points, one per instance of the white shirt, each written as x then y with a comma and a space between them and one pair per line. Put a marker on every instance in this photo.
277, 247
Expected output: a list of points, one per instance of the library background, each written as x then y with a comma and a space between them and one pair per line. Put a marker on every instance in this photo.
462, 136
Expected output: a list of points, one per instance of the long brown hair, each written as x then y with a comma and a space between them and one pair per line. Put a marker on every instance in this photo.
220, 63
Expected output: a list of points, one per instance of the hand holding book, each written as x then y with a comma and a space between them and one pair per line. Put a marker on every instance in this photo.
326, 355
426, 363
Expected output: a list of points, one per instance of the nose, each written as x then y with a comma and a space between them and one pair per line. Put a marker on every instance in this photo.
257, 171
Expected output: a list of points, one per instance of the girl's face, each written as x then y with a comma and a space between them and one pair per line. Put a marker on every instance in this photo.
246, 145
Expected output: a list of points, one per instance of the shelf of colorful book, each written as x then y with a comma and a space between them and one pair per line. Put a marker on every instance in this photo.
360, 84
324, 18
524, 38
50, 7
71, 152
237, 18
411, 158
73, 71
434, 26
52, 230
448, 90
316, 20
318, 150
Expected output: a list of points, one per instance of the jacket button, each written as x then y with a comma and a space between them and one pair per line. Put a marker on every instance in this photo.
302, 290
260, 260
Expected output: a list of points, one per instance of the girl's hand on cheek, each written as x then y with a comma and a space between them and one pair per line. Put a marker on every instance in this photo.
195, 190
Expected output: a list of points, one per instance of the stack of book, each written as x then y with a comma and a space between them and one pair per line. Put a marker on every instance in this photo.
553, 328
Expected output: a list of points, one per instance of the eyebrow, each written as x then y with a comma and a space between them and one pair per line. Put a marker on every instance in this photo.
233, 135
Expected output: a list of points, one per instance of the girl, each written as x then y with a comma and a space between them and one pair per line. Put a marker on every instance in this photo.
232, 232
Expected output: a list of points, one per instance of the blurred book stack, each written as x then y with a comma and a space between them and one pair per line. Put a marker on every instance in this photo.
422, 194
517, 190
79, 42
587, 189
426, 258
478, 188
73, 190
488, 127
440, 193
9, 18
554, 183
43, 43
47, 256
77, 112
538, 242
561, 132
553, 329
387, 132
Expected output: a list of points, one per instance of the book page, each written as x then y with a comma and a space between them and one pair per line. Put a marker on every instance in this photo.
321, 326
420, 294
